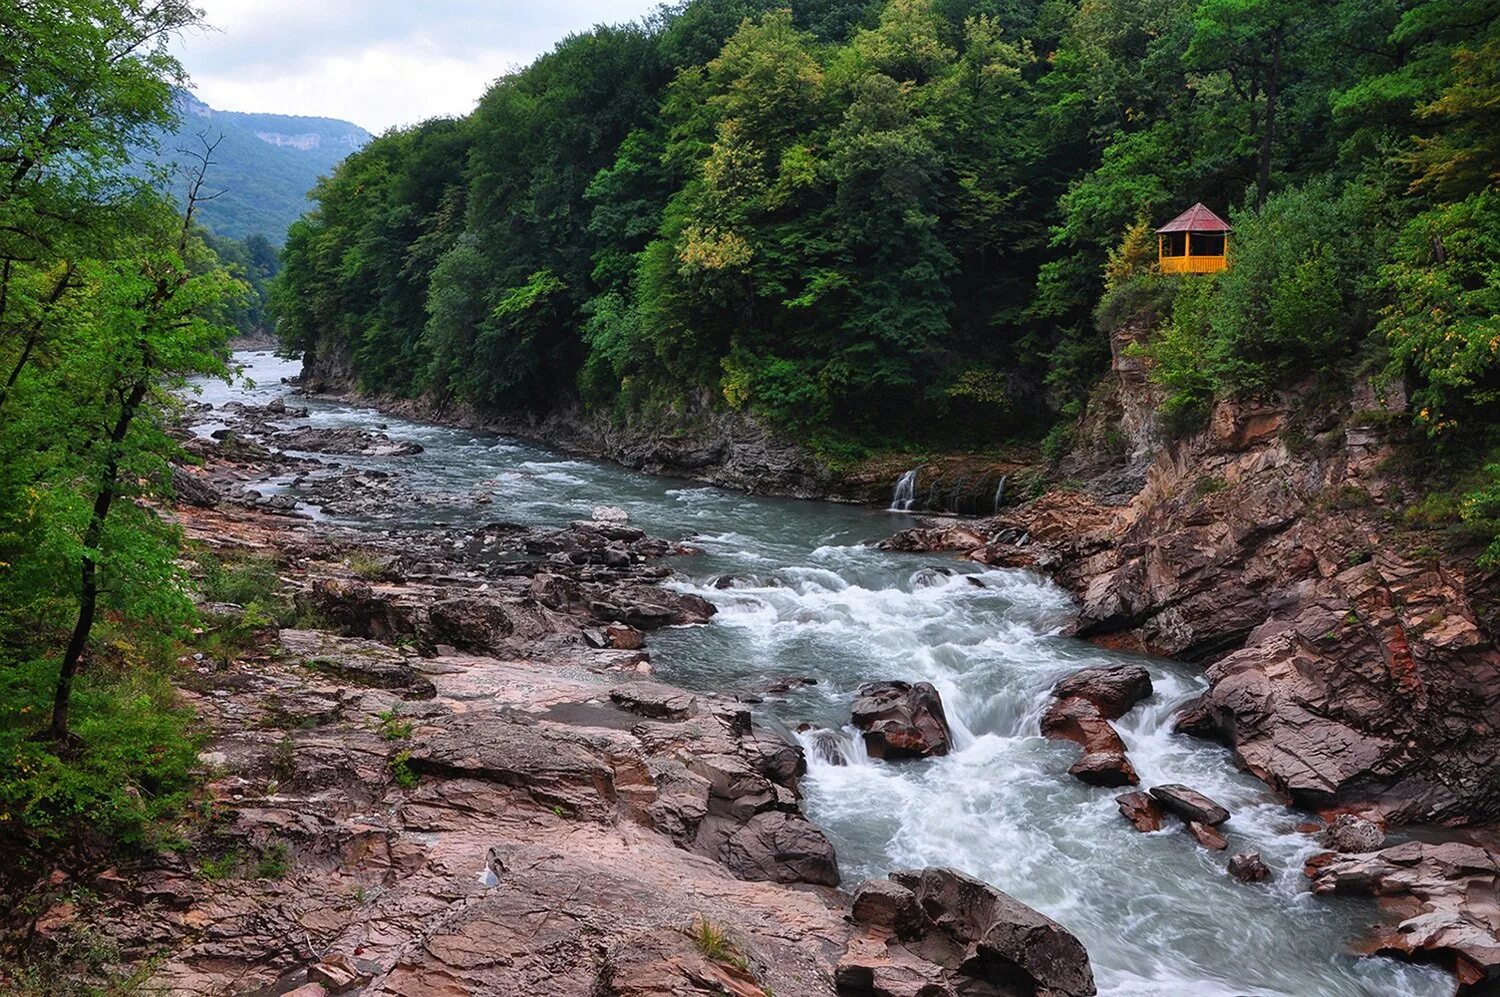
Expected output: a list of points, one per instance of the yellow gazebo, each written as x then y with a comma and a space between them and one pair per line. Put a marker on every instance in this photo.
1196, 241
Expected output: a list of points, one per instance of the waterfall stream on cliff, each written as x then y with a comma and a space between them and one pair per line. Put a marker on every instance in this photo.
806, 597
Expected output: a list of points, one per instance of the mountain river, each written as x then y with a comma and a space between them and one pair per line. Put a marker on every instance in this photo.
1158, 914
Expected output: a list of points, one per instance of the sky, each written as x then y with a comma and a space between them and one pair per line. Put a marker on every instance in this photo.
377, 63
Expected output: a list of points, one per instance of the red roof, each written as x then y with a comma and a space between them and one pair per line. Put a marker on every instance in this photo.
1196, 219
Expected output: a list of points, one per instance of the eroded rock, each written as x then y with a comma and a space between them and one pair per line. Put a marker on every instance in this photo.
901, 720
1189, 804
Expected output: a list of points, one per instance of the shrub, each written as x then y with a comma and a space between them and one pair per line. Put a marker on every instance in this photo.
125, 777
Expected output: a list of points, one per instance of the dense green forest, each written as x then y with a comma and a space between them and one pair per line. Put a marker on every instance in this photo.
915, 222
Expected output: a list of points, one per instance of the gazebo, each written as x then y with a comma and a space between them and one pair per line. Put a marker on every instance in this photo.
1196, 241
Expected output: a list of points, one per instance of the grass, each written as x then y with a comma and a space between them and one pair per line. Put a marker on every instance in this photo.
392, 727
366, 564
714, 942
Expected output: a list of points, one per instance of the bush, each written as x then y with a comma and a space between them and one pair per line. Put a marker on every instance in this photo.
127, 774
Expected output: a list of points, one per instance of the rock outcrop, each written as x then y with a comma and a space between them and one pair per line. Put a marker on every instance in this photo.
1348, 666
1445, 895
901, 720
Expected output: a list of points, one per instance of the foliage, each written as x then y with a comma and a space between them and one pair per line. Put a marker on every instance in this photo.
109, 302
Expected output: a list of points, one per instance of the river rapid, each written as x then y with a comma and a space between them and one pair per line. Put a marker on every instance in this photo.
1158, 914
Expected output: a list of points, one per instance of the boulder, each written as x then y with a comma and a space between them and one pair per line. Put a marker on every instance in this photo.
1247, 867
901, 720
1189, 804
1105, 768
1078, 720
1352, 833
1141, 810
951, 933
1113, 689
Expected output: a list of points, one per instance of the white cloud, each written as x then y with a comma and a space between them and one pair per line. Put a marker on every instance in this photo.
376, 63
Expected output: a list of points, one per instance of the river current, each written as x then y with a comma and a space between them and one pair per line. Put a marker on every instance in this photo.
1158, 914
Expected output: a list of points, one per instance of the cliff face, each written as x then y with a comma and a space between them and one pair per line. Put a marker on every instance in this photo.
1350, 664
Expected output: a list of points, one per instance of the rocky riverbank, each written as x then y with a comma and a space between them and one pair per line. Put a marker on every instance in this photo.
454, 774
716, 446
1352, 665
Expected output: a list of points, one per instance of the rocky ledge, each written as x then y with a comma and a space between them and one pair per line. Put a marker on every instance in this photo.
464, 780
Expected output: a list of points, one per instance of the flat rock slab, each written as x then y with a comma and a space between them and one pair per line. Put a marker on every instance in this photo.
1189, 804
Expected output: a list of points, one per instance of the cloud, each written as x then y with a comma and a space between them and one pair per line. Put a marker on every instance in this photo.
374, 62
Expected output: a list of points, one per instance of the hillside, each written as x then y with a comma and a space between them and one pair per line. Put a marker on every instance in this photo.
267, 163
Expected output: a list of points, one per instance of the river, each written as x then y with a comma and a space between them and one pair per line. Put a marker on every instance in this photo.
1158, 914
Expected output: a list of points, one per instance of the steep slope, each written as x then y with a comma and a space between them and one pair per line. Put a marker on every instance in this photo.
265, 164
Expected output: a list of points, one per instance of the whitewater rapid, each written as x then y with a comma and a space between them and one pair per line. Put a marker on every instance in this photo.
801, 593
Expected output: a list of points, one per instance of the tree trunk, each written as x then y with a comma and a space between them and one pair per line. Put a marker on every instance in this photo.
88, 599
1268, 135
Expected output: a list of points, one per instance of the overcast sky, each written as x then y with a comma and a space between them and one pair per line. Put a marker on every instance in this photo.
376, 63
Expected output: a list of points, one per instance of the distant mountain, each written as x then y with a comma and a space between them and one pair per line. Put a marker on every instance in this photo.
265, 163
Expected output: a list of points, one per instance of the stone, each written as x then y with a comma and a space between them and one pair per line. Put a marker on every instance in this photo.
976, 930
622, 637
887, 904
1207, 835
1141, 810
1112, 689
1078, 720
1189, 804
901, 720
336, 973
1247, 867
650, 699
1105, 768
1352, 833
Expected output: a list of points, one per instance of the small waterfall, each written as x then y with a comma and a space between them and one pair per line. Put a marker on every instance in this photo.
1000, 492
905, 495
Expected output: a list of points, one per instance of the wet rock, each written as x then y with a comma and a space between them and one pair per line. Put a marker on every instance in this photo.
1445, 892
969, 938
901, 720
1247, 867
1113, 689
1207, 835
1352, 833
1079, 721
1105, 768
887, 904
1189, 804
1141, 810
782, 686
343, 440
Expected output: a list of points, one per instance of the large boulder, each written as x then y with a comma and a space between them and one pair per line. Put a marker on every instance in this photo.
902, 720
1113, 689
1104, 762
941, 932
